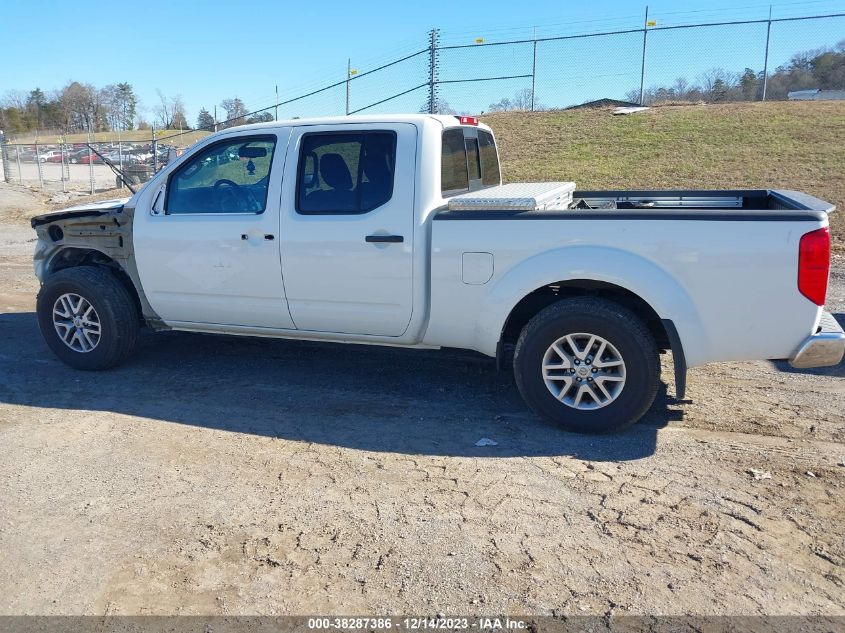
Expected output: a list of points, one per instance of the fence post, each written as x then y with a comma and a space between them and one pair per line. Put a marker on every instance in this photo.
766, 58
62, 158
432, 71
18, 159
642, 69
66, 168
534, 70
154, 144
4, 155
90, 162
119, 149
38, 164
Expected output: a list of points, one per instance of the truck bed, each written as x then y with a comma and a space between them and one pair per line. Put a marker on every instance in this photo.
722, 265
749, 204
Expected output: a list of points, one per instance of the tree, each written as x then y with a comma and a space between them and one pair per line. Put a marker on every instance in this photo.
719, 91
235, 111
261, 117
204, 120
35, 103
180, 119
441, 106
126, 103
81, 108
748, 84
170, 112
521, 100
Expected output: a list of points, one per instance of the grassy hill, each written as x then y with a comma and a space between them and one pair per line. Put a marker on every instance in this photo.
173, 137
785, 145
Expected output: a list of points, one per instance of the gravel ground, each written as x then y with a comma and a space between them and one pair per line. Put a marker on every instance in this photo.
245, 476
78, 176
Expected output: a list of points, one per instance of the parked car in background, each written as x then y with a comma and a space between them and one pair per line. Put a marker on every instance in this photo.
84, 157
75, 155
50, 156
26, 153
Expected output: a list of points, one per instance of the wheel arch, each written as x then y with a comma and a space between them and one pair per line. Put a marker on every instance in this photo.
74, 256
631, 280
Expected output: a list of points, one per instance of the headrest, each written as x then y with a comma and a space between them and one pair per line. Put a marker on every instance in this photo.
335, 173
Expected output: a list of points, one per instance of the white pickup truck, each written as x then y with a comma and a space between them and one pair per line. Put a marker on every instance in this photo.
396, 230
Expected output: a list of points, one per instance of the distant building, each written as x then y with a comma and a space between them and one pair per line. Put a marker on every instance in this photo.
604, 103
816, 95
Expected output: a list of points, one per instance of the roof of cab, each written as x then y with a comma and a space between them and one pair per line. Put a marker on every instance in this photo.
444, 119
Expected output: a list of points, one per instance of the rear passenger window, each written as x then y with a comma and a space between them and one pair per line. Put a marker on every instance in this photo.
345, 173
453, 163
489, 159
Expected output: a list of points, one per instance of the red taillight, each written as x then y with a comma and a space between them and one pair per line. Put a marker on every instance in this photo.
814, 265
468, 120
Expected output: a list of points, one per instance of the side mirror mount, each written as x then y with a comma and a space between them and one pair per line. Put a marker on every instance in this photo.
158, 202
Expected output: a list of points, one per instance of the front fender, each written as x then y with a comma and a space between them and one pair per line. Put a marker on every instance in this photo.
653, 284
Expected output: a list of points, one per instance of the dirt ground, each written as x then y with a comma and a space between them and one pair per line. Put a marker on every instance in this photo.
244, 476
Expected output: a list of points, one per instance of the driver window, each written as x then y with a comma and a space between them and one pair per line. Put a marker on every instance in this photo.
228, 177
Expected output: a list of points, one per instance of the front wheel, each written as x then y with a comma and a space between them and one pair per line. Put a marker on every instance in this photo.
87, 317
587, 364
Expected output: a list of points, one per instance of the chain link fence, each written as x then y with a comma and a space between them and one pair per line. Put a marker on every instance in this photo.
752, 59
83, 166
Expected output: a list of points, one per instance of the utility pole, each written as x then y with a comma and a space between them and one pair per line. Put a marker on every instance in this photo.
348, 77
215, 118
277, 102
766, 59
642, 69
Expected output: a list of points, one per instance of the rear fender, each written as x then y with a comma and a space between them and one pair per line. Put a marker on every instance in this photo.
644, 278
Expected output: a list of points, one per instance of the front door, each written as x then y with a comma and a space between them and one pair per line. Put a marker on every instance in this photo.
347, 229
207, 246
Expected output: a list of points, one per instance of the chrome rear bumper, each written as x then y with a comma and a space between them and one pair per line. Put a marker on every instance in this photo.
824, 348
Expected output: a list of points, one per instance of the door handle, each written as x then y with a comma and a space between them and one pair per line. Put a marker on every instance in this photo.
385, 239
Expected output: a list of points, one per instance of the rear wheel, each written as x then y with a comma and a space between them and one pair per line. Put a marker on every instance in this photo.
587, 364
87, 317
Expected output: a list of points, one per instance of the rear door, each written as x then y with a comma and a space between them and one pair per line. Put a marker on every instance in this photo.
347, 228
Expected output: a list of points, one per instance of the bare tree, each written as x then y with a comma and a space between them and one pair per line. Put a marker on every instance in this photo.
163, 111
235, 111
170, 112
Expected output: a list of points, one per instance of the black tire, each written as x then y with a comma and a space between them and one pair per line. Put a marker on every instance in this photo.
115, 307
618, 326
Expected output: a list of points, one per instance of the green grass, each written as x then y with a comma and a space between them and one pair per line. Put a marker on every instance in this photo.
778, 145
184, 139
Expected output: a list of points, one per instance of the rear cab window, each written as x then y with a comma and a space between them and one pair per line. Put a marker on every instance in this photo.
468, 161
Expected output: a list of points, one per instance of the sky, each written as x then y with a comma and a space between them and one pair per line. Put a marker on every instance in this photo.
210, 50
